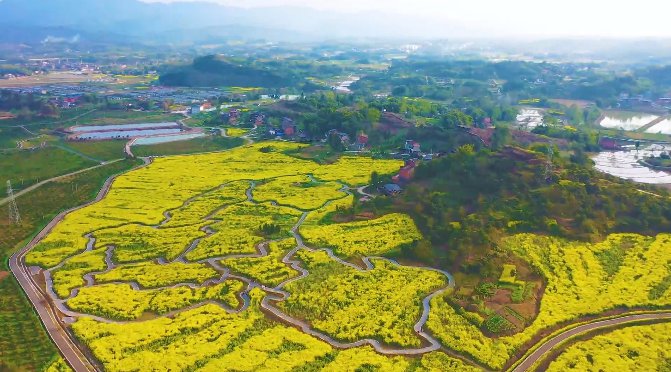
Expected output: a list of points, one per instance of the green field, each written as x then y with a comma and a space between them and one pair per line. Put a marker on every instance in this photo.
28, 167
101, 150
197, 145
24, 345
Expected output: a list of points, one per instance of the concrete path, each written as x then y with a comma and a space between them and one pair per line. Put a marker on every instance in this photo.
552, 343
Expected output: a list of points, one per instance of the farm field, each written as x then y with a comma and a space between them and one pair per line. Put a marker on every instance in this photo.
236, 132
217, 227
245, 257
198, 145
28, 167
635, 348
626, 270
24, 345
101, 150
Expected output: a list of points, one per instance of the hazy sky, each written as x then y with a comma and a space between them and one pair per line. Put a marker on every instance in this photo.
540, 18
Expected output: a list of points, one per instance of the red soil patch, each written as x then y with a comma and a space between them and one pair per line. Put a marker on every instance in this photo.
3, 275
392, 123
6, 115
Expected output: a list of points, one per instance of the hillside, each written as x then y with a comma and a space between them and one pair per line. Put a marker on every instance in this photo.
211, 71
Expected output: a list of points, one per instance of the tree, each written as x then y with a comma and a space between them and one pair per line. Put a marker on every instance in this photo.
501, 137
374, 179
576, 115
455, 118
373, 115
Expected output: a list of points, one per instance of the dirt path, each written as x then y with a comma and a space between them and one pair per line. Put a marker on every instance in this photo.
547, 347
651, 124
81, 154
41, 183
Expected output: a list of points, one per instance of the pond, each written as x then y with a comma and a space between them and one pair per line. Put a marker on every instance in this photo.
125, 133
663, 127
624, 164
139, 126
166, 139
626, 120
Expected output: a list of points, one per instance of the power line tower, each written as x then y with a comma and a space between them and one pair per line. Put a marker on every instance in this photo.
14, 216
549, 165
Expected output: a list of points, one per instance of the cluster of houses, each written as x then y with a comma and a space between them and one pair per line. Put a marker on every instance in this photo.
66, 102
640, 102
413, 155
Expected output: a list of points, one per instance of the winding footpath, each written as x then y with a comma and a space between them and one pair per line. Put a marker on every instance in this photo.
55, 314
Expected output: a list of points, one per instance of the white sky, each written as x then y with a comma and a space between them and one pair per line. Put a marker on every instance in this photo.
616, 18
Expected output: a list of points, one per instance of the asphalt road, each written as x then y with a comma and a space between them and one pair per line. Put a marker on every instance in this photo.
549, 345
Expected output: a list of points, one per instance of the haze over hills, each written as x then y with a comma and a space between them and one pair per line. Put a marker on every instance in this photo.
194, 22
190, 24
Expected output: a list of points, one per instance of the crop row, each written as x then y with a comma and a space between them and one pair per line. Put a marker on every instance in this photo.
383, 303
639, 348
577, 285
122, 302
364, 238
268, 270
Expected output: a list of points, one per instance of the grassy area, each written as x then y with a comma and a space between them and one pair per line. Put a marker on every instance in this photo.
102, 150
24, 345
10, 136
25, 168
188, 147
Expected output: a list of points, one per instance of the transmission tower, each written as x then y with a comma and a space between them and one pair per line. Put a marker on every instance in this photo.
14, 216
549, 165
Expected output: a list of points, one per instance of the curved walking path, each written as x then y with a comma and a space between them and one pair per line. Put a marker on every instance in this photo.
50, 311
548, 346
42, 183
307, 328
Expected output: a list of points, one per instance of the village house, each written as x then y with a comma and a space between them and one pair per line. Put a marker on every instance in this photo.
288, 127
390, 189
406, 172
412, 147
259, 119
233, 116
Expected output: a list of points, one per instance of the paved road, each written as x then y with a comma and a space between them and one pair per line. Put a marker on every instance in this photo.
549, 345
68, 348
39, 184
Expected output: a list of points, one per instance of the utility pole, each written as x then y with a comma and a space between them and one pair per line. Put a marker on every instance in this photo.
549, 165
14, 216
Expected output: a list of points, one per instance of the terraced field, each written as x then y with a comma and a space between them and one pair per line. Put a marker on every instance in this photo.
198, 262
236, 260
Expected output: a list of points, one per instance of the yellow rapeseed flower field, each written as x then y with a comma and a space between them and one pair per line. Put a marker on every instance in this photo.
634, 349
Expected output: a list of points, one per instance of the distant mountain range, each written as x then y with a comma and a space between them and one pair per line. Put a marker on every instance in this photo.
175, 23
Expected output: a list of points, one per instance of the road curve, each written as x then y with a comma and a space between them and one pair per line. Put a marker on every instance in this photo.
552, 343
68, 348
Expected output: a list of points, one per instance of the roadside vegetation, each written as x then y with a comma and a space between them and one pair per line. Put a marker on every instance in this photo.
24, 344
635, 348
